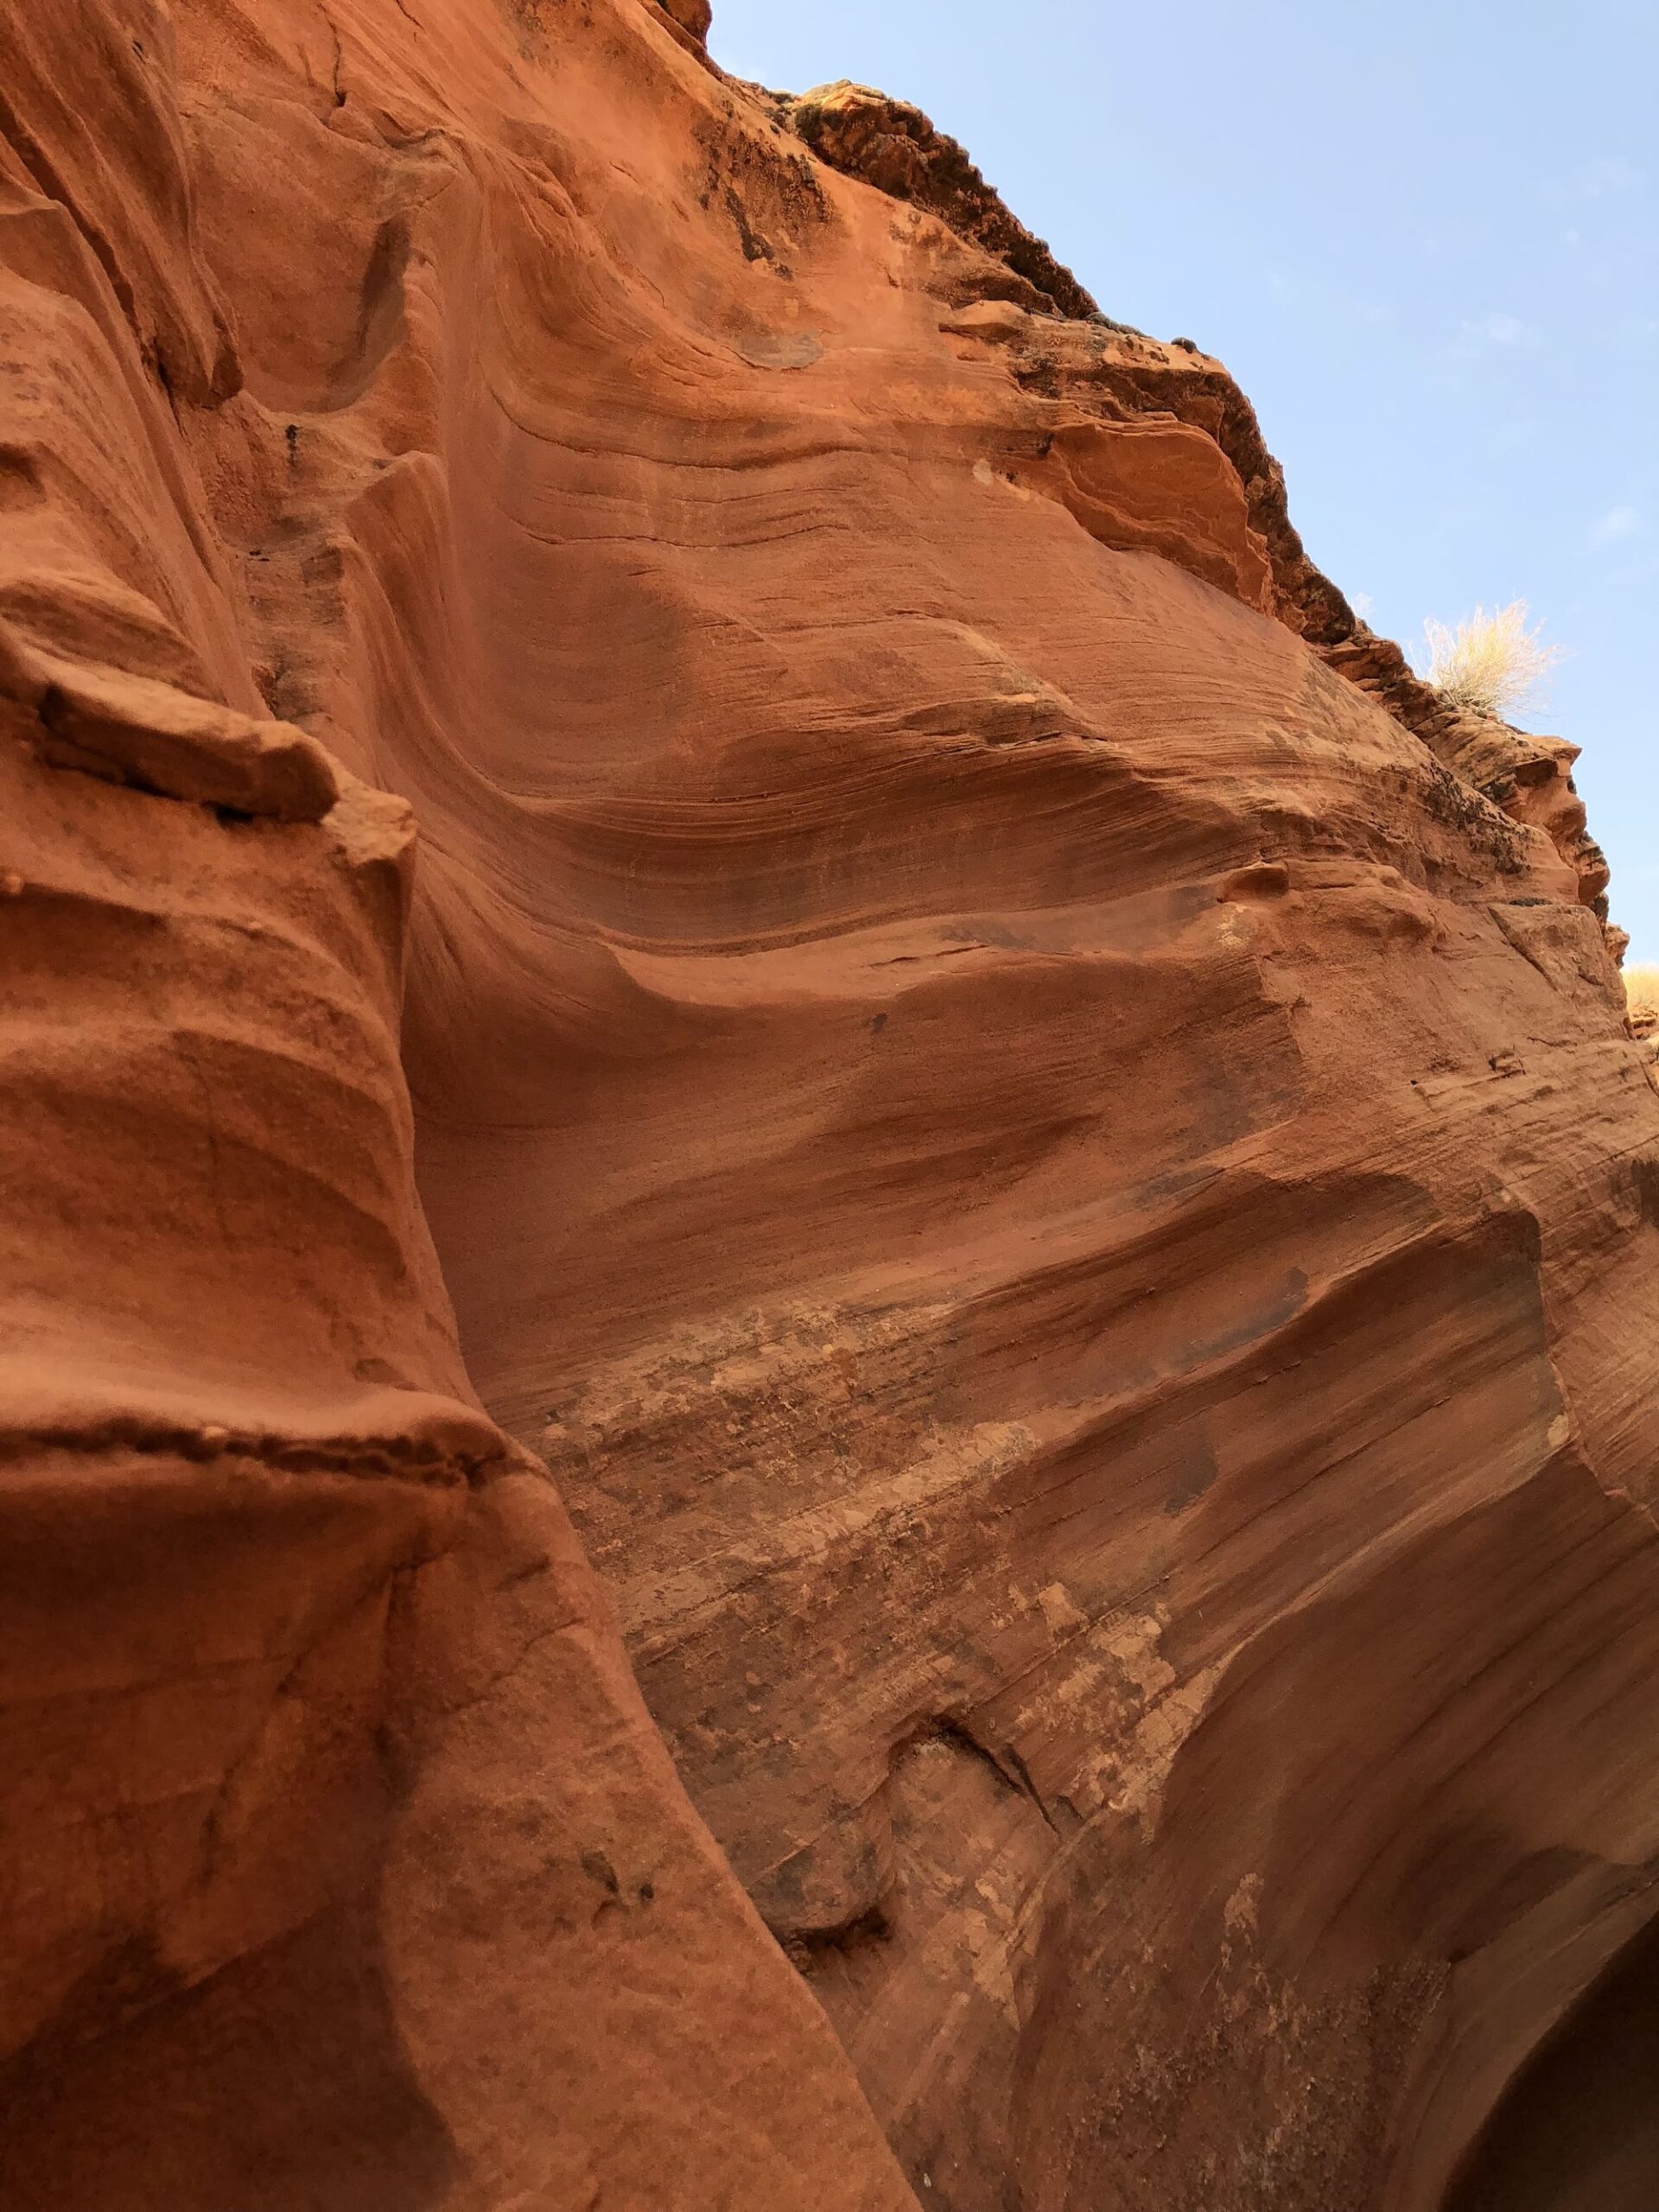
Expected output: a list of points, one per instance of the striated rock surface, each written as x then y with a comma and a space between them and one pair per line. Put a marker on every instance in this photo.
668, 819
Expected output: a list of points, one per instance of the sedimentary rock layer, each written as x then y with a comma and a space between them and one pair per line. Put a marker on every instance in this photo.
667, 821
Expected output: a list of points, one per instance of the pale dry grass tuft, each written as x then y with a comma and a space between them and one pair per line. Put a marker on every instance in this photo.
1642, 994
1491, 662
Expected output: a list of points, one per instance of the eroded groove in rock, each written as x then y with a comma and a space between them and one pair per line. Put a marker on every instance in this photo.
1041, 1141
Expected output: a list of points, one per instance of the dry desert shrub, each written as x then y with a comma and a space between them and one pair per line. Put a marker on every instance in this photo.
1642, 997
1490, 661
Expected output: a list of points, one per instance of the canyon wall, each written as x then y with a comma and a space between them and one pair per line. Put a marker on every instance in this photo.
672, 821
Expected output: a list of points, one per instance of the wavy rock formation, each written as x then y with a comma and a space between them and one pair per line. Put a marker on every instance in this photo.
668, 819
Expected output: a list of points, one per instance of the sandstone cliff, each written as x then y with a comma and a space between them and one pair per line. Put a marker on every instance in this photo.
667, 816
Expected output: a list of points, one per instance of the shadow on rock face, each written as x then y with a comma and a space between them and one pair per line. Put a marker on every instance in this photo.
281, 2085
1579, 2130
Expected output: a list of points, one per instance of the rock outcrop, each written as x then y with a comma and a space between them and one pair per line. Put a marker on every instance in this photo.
670, 821
894, 147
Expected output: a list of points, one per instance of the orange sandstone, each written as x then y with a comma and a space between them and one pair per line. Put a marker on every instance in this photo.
670, 821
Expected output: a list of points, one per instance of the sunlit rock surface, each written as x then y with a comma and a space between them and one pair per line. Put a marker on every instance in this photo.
667, 818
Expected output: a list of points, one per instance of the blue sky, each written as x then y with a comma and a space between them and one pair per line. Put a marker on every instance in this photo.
1426, 241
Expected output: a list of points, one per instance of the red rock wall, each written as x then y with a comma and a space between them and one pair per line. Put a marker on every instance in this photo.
1068, 1205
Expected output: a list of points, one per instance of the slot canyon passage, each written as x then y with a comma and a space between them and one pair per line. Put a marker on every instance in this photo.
670, 821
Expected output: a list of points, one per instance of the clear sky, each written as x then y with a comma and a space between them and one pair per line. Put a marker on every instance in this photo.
1425, 237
